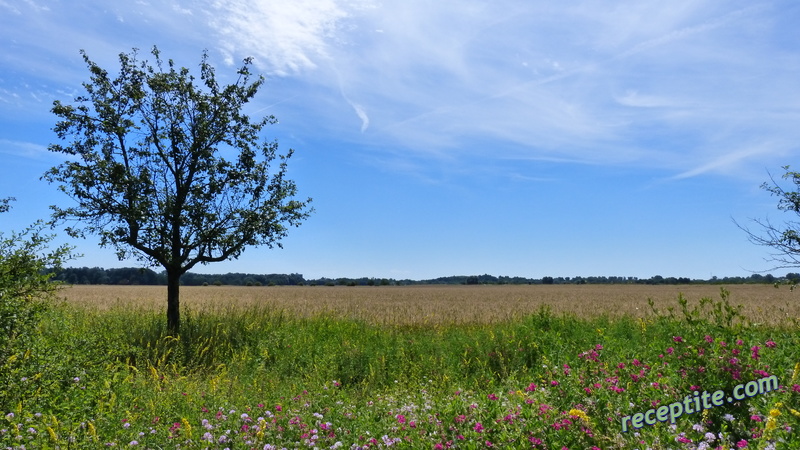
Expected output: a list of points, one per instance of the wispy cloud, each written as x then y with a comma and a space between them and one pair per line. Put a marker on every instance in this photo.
28, 150
733, 159
670, 85
285, 36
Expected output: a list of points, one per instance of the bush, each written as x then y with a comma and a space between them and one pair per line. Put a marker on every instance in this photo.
25, 287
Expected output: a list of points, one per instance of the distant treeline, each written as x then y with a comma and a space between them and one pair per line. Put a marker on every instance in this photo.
140, 276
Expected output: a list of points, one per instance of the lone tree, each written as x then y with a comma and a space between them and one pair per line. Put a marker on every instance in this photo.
784, 239
149, 176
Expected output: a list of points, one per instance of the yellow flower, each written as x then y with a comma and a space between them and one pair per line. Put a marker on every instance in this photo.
262, 424
774, 413
579, 413
92, 431
53, 436
771, 423
188, 427
795, 412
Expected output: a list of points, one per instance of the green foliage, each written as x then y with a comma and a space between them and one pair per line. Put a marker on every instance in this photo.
717, 313
25, 288
149, 176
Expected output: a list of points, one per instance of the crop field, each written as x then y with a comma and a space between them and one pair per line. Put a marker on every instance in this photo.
419, 367
441, 304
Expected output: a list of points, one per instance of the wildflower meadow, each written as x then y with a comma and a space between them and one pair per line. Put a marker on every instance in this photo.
261, 378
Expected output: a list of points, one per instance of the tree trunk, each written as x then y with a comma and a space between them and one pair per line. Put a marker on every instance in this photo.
173, 301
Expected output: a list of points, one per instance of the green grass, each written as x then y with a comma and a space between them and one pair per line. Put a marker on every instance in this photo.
116, 377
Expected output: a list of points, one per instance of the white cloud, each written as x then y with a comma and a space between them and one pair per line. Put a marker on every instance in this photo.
588, 83
285, 37
11, 8
729, 161
26, 150
669, 85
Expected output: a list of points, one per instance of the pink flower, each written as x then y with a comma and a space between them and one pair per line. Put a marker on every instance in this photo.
491, 397
741, 444
531, 387
677, 338
401, 418
709, 339
478, 427
771, 344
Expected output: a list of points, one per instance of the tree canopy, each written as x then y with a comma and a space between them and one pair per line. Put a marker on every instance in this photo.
150, 174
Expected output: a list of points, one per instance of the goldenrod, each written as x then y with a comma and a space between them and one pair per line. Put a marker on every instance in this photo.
92, 431
187, 427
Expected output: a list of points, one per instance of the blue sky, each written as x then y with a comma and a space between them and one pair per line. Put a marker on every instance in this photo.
520, 138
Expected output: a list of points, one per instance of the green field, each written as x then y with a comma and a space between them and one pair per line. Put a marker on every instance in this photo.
543, 367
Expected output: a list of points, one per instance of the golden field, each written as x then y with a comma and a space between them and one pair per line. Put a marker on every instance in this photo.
440, 304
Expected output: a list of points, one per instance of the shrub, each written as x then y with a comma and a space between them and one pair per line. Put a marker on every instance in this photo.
25, 287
